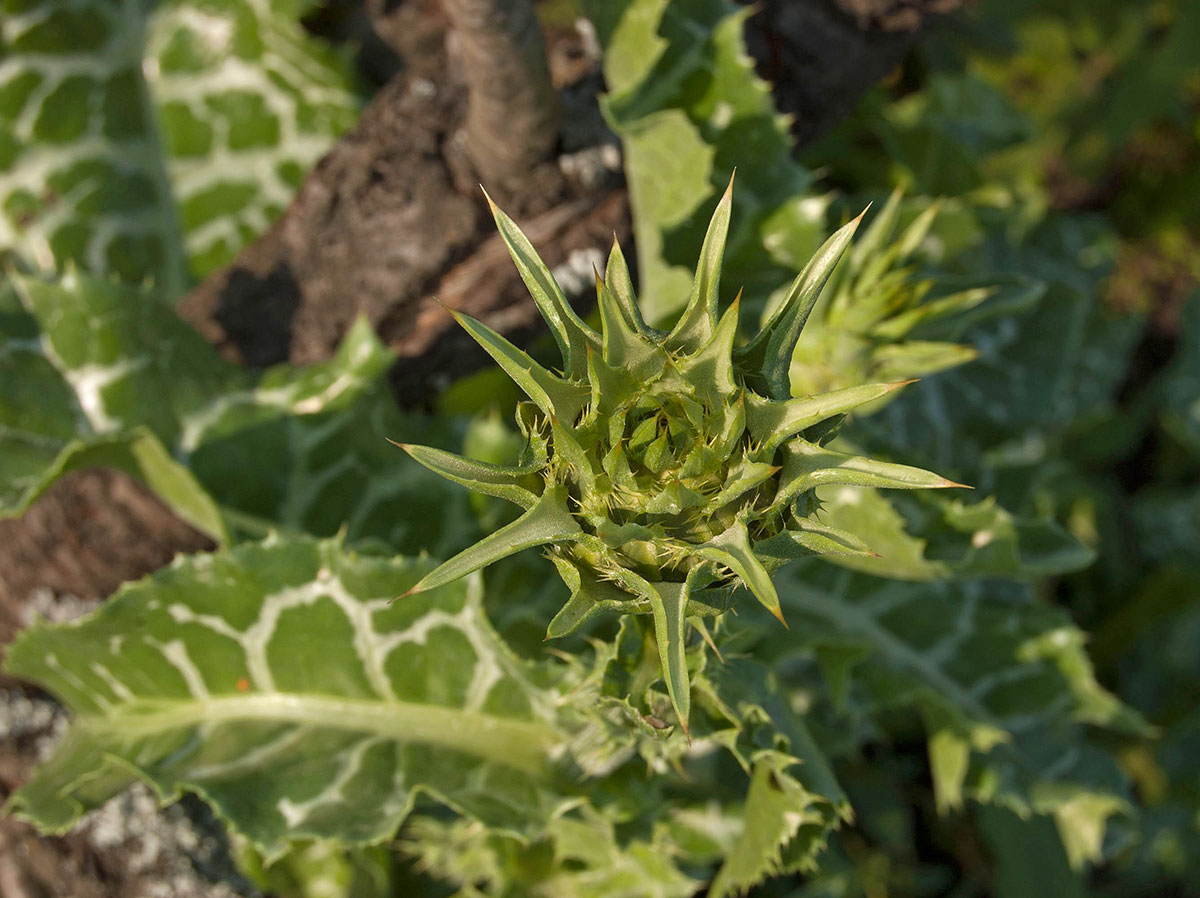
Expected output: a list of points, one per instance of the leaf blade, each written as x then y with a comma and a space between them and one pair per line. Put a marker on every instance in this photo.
570, 333
547, 521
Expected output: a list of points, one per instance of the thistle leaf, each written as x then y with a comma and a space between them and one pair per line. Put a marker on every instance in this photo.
616, 466
492, 480
743, 477
616, 275
918, 358
899, 326
548, 521
571, 334
809, 537
777, 807
876, 236
674, 498
808, 465
695, 327
987, 664
552, 394
624, 347
606, 385
917, 231
711, 368
589, 597
732, 550
771, 423
568, 450
768, 356
731, 426
668, 604
277, 680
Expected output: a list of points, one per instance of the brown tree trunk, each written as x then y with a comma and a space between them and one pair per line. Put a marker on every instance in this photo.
513, 112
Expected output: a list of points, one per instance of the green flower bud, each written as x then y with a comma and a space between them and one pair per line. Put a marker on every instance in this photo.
664, 470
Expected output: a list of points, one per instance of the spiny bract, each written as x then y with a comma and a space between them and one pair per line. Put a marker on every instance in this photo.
663, 470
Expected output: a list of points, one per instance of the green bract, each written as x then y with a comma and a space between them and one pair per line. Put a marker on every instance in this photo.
665, 470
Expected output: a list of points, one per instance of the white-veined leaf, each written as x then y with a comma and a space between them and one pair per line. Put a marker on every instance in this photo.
282, 682
155, 140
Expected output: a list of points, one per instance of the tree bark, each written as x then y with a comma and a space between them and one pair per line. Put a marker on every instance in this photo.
513, 113
392, 217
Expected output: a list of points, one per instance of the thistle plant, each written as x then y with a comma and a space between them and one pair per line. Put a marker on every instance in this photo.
664, 471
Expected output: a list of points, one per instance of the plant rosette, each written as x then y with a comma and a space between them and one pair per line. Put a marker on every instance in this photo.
664, 470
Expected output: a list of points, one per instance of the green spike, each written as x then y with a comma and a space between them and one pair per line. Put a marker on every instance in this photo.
730, 427
743, 476
624, 347
916, 232
658, 456
809, 537
492, 480
732, 550
771, 423
616, 275
898, 326
644, 434
674, 498
568, 450
616, 466
713, 363
571, 334
808, 465
589, 597
696, 324
668, 605
548, 521
766, 359
701, 627
607, 384
875, 237
551, 393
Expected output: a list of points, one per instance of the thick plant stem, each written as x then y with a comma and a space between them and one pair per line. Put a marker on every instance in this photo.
513, 111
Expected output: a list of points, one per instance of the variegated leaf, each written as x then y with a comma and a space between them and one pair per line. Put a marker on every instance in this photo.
155, 140
283, 683
793, 801
304, 449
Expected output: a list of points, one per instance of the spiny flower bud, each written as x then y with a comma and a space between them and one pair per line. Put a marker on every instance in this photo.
663, 470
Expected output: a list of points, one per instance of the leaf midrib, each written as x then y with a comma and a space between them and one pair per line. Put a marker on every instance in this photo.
526, 745
853, 620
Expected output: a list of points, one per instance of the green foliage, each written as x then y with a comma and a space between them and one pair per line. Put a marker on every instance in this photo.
154, 140
370, 724
118, 379
667, 469
202, 679
689, 109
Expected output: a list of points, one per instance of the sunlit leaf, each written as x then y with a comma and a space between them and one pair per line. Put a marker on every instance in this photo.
283, 683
